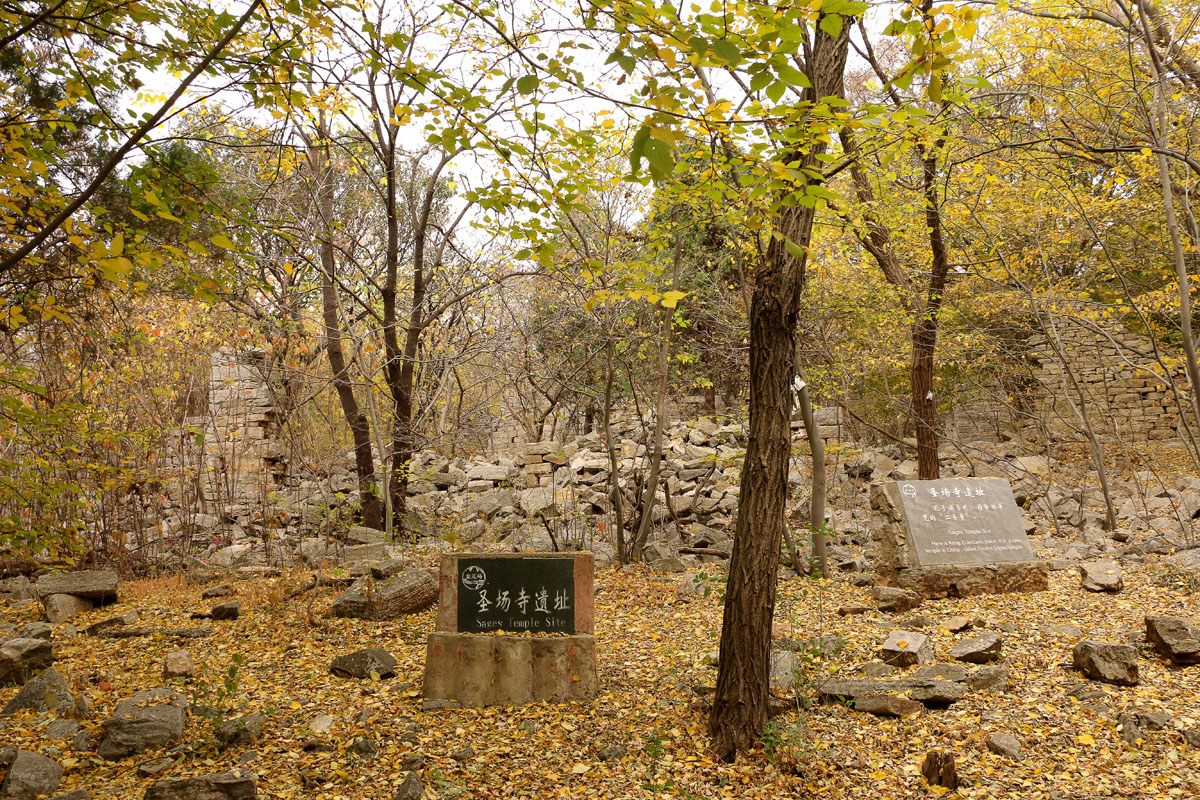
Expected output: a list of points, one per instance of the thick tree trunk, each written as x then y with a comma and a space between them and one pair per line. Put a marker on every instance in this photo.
360, 428
743, 680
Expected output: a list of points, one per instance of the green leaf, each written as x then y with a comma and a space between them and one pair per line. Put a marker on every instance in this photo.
796, 250
935, 88
793, 76
527, 84
760, 80
775, 91
222, 241
661, 158
832, 24
727, 52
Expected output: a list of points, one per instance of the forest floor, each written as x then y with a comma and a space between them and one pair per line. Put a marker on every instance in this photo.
652, 645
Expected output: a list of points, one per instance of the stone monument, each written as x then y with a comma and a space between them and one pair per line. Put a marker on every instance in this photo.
512, 629
954, 538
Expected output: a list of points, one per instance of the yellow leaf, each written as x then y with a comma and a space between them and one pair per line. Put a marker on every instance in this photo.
1085, 738
579, 769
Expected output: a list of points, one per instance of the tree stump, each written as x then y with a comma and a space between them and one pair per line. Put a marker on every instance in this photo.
938, 769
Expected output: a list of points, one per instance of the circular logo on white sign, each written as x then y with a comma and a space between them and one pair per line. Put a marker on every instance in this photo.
473, 578
908, 490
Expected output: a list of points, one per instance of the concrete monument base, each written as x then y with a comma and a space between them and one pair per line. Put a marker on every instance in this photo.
475, 670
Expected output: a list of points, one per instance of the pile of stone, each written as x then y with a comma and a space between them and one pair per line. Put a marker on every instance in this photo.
66, 594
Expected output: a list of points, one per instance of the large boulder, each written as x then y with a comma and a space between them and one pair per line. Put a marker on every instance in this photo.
1107, 662
21, 659
1174, 637
31, 775
47, 692
148, 719
225, 786
373, 661
410, 591
98, 585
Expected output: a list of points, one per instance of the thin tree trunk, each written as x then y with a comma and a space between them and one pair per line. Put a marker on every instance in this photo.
364, 458
660, 405
743, 679
816, 521
925, 328
614, 469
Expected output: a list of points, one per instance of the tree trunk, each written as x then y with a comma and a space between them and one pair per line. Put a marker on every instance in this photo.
925, 328
816, 520
614, 468
364, 458
660, 406
743, 679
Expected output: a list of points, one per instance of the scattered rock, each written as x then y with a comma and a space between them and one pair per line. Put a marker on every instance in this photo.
372, 662
944, 672
321, 723
362, 747
179, 664
612, 752
241, 731
412, 788
78, 794
61, 607
877, 669
1174, 637
226, 611
938, 693
988, 678
957, 623
155, 767
30, 776
886, 704
1107, 662
854, 608
1101, 576
978, 649
148, 719
1065, 630
99, 585
891, 600
1005, 744
62, 729
906, 648
465, 753
21, 659
226, 786
35, 630
47, 692
213, 592
409, 592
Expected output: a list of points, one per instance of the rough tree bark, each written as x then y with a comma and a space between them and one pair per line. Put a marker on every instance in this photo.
321, 167
743, 680
925, 328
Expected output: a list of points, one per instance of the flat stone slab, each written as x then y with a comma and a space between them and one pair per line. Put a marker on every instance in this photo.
98, 585
966, 521
477, 670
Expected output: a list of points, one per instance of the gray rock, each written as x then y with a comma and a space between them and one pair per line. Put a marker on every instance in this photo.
363, 748
853, 609
412, 788
35, 630
978, 649
372, 661
21, 659
1101, 576
78, 794
179, 664
877, 669
99, 585
226, 786
1174, 637
155, 766
241, 731
411, 591
213, 592
61, 607
783, 670
226, 610
938, 692
390, 568
47, 692
62, 729
944, 672
148, 719
30, 776
1004, 744
907, 648
891, 600
886, 704
988, 679
612, 752
1107, 662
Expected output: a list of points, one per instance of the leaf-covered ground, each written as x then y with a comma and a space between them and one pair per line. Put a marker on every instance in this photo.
652, 645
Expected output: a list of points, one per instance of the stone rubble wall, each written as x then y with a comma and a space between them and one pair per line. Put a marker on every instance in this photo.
1128, 396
